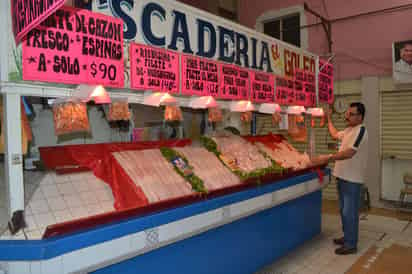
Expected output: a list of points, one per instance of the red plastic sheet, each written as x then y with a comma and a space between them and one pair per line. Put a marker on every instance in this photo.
269, 138
99, 159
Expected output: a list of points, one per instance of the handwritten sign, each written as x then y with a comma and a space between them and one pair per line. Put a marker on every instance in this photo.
263, 86
325, 82
310, 89
234, 82
305, 89
285, 92
199, 76
300, 95
75, 46
28, 14
154, 69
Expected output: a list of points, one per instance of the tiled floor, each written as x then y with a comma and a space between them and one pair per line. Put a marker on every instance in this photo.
317, 255
52, 198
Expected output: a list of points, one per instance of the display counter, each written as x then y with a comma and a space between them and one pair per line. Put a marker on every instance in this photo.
240, 231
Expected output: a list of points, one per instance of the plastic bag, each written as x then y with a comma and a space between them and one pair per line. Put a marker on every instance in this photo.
119, 110
246, 117
215, 115
276, 118
173, 113
296, 129
322, 121
69, 117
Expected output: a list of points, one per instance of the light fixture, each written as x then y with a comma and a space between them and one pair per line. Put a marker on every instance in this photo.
241, 106
296, 110
159, 99
269, 108
315, 112
202, 102
100, 95
96, 93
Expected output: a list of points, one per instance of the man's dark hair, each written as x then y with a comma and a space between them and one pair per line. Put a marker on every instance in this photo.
402, 45
360, 108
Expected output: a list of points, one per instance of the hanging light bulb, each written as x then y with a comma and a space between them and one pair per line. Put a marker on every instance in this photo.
269, 108
202, 102
159, 98
316, 112
296, 110
241, 106
96, 93
100, 96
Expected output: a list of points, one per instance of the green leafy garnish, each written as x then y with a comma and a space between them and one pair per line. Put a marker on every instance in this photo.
211, 146
195, 182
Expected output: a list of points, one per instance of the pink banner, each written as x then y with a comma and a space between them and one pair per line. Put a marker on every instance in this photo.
199, 76
305, 90
28, 14
263, 86
300, 95
79, 47
154, 69
285, 91
310, 89
234, 82
325, 82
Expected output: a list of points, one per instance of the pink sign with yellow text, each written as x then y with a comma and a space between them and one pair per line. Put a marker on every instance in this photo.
73, 47
199, 76
154, 69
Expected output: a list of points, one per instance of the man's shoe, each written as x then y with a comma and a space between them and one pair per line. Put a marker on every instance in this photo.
339, 241
345, 250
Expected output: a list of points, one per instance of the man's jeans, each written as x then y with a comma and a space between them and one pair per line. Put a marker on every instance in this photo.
349, 199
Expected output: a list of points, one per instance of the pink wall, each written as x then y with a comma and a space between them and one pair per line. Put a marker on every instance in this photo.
362, 45
209, 6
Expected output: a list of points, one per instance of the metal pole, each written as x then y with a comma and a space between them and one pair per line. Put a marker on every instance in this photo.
312, 136
253, 124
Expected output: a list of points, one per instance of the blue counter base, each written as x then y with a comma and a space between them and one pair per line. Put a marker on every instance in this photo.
243, 246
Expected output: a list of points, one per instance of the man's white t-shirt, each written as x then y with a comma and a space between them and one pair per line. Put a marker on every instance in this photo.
353, 169
402, 72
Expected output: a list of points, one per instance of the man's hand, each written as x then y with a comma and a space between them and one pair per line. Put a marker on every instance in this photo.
332, 130
329, 113
320, 160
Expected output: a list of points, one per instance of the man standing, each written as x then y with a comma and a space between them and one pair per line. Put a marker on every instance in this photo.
402, 71
350, 165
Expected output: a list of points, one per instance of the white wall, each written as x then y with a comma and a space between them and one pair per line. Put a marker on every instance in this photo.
392, 178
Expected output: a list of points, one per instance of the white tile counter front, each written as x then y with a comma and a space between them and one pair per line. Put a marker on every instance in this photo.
106, 253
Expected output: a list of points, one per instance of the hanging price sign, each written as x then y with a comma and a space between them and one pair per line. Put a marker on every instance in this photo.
325, 82
75, 46
234, 82
263, 86
154, 69
199, 76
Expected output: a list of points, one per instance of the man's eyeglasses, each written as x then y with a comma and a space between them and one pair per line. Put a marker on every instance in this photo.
352, 114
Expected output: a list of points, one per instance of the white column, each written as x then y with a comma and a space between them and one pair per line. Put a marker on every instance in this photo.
370, 97
11, 119
13, 151
5, 19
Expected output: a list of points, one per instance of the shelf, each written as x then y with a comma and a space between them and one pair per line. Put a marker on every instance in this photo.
60, 91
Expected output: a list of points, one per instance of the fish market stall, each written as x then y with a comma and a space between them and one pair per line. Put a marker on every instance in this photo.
122, 148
